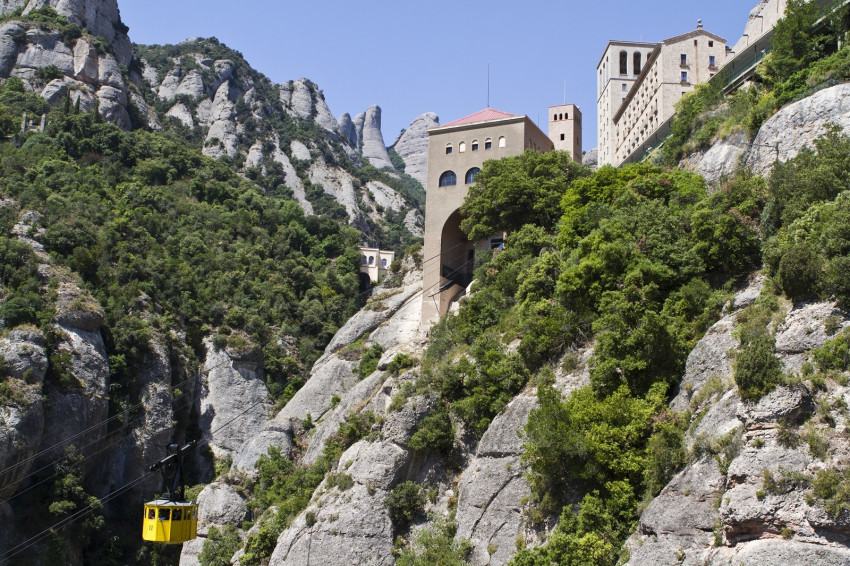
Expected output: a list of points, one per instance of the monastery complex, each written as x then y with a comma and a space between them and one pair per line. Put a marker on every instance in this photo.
638, 86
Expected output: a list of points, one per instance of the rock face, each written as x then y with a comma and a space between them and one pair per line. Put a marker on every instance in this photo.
720, 160
373, 147
235, 392
87, 73
412, 146
721, 509
798, 125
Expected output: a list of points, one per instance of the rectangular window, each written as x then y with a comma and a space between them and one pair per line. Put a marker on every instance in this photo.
711, 60
624, 87
562, 137
684, 59
711, 44
684, 76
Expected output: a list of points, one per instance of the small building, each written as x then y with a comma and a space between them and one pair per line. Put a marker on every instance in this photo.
456, 153
565, 129
375, 262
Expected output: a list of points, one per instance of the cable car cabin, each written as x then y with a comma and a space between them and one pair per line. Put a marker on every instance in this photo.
170, 522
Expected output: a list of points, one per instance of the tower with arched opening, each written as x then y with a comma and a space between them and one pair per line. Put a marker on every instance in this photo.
456, 152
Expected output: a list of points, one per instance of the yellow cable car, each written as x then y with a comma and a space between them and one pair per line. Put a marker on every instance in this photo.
173, 520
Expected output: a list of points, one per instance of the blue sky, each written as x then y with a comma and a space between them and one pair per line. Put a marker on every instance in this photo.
415, 56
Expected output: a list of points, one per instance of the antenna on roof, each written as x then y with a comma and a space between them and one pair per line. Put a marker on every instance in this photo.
488, 85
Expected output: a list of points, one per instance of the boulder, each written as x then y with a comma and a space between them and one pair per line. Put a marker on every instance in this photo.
182, 113
721, 160
8, 46
191, 85
798, 125
349, 527
302, 99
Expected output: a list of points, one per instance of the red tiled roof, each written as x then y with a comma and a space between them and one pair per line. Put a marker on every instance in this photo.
485, 115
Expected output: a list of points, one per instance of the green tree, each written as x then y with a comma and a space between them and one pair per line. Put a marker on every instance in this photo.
512, 192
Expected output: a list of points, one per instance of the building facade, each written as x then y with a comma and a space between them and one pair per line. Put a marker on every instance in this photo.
617, 70
650, 88
375, 262
456, 153
565, 129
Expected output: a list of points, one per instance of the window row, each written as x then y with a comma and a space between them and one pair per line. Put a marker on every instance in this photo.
488, 144
449, 178
371, 261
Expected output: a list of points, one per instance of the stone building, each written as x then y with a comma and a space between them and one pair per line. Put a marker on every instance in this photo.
638, 85
565, 129
456, 153
375, 262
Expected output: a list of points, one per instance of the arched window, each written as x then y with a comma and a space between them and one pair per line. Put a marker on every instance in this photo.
502, 141
363, 260
448, 179
624, 63
461, 147
448, 148
371, 260
471, 174
636, 63
555, 117
384, 262
488, 143
474, 145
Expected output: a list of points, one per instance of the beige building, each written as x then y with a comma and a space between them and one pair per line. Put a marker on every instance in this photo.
565, 129
649, 91
456, 152
375, 262
617, 70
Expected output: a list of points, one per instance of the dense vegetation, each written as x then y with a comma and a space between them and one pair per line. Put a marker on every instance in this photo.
171, 244
638, 266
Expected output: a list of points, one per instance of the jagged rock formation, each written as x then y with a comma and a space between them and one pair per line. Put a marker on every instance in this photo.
87, 74
590, 157
412, 146
719, 510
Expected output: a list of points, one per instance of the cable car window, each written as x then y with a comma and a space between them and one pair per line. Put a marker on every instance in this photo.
164, 514
178, 515
151, 514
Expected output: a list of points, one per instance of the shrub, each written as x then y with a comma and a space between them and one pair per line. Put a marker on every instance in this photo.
436, 546
800, 272
404, 503
369, 361
399, 363
436, 432
757, 369
219, 546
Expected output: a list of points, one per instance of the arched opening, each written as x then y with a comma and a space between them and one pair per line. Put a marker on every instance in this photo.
448, 179
474, 145
461, 147
448, 148
363, 260
636, 63
371, 260
471, 174
624, 63
456, 253
488, 143
502, 141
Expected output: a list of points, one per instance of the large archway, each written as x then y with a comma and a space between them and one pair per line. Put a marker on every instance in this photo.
456, 252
